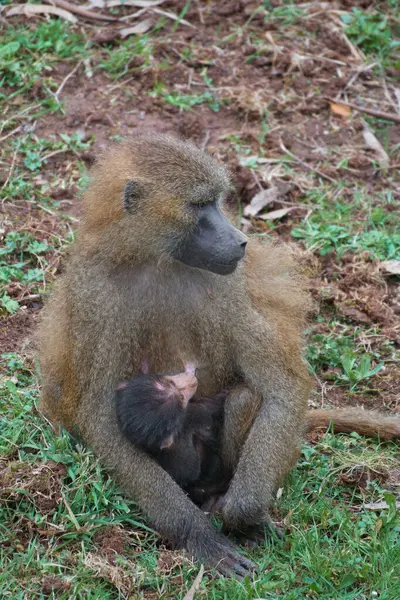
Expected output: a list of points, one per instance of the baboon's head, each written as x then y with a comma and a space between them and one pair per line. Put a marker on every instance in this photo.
170, 197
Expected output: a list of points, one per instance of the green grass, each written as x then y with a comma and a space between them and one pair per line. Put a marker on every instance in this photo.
25, 253
339, 354
373, 32
333, 547
123, 58
362, 223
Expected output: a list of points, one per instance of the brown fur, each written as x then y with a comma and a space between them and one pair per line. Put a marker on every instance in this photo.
123, 298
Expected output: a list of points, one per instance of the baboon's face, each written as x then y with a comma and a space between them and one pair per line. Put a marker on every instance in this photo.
179, 194
214, 244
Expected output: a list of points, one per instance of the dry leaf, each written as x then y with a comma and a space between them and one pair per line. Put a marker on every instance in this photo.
375, 145
391, 266
379, 505
260, 201
397, 94
41, 9
276, 214
95, 4
340, 109
105, 35
138, 29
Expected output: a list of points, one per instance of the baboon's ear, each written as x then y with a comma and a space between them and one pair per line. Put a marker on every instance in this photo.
133, 191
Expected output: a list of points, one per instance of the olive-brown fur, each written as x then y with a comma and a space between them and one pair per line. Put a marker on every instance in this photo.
123, 297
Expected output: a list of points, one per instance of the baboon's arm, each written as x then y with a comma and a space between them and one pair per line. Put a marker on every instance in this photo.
170, 511
346, 420
273, 442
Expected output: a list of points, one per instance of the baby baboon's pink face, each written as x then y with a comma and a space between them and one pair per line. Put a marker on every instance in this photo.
184, 384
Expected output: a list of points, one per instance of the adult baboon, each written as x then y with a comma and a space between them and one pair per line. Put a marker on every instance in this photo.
156, 273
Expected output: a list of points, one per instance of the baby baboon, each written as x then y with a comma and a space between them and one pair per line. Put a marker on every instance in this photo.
159, 271
159, 414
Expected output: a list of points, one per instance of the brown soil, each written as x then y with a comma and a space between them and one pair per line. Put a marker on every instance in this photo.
40, 482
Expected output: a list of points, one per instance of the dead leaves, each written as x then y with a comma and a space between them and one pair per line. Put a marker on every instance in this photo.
277, 214
138, 29
71, 12
116, 575
260, 201
340, 109
30, 10
374, 144
272, 195
391, 266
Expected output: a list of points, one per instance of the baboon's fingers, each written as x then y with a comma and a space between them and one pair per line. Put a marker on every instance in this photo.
237, 565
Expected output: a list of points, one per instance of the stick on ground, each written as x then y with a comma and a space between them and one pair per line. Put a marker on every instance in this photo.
368, 111
195, 585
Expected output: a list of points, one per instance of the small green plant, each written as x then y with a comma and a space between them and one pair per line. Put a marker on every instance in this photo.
124, 57
185, 101
22, 260
27, 53
8, 304
370, 31
287, 13
356, 370
338, 355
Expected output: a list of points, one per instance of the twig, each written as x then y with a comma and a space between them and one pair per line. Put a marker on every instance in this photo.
14, 158
389, 96
355, 75
134, 15
340, 29
118, 85
19, 115
78, 10
200, 11
195, 585
306, 165
170, 15
29, 298
54, 153
64, 81
205, 141
367, 111
256, 180
11, 133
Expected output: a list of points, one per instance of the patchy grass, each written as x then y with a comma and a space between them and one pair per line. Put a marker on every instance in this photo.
58, 510
366, 224
247, 83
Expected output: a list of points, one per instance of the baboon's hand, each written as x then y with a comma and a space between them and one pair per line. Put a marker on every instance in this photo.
217, 551
246, 522
253, 535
